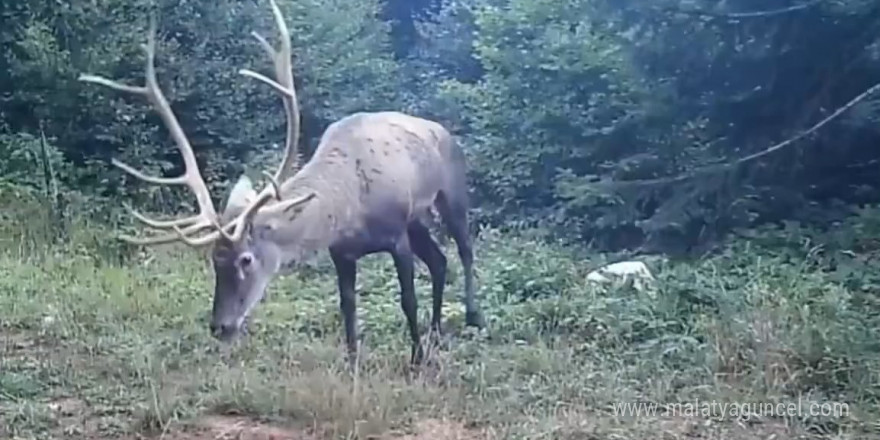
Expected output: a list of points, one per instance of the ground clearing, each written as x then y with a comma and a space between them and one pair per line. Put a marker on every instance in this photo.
100, 351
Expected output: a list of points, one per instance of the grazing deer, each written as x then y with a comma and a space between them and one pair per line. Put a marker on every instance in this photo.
368, 183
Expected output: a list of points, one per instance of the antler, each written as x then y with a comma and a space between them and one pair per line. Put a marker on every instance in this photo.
185, 228
284, 85
207, 216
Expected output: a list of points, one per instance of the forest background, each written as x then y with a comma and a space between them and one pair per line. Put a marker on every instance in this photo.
613, 123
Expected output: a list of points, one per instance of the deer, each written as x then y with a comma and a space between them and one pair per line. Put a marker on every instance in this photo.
366, 189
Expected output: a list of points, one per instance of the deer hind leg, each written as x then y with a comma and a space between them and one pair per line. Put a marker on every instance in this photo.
453, 210
424, 246
403, 261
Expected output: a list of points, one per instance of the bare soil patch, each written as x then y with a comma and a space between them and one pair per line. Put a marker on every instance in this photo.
237, 428
442, 430
218, 427
243, 428
18, 343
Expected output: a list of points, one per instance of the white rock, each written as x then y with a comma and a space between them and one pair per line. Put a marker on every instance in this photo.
622, 271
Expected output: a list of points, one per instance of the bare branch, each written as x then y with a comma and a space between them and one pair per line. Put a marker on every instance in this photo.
744, 15
776, 147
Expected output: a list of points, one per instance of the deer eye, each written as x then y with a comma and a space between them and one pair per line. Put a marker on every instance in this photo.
245, 260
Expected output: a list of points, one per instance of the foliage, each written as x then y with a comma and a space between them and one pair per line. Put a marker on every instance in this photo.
558, 99
688, 85
341, 64
559, 103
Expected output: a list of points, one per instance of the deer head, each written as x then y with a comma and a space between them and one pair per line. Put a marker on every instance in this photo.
244, 255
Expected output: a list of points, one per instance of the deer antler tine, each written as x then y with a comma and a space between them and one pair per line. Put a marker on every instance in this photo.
147, 178
207, 217
284, 73
161, 224
170, 236
285, 85
239, 223
192, 229
191, 177
222, 231
151, 240
266, 46
161, 239
270, 82
193, 242
203, 241
247, 215
113, 84
217, 232
150, 46
275, 186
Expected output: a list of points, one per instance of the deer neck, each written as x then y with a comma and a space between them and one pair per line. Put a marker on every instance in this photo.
326, 218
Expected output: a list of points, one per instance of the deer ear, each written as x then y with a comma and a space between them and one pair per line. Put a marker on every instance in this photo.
240, 196
295, 206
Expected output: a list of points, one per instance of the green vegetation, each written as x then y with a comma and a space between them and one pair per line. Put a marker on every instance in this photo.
96, 348
597, 131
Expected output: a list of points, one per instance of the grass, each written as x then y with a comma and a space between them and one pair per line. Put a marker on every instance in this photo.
100, 341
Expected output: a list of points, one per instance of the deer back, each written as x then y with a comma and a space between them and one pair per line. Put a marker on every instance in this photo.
382, 161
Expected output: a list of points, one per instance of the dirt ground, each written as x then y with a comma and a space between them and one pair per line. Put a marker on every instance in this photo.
571, 426
240, 428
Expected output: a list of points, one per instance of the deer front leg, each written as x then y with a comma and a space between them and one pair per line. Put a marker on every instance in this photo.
403, 262
346, 274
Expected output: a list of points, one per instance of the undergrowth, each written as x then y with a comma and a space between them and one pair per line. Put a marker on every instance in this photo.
102, 340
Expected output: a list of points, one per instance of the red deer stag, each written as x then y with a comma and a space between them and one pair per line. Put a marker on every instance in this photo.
365, 189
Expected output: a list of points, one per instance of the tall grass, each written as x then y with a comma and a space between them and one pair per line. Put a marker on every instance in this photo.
105, 340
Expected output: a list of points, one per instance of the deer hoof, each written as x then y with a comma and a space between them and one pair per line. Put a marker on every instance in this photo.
473, 318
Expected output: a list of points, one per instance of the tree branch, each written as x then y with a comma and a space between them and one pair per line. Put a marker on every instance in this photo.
741, 15
716, 168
